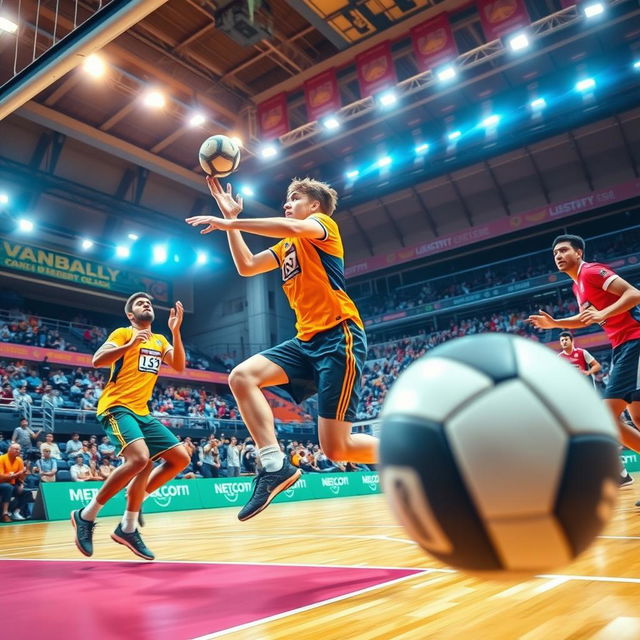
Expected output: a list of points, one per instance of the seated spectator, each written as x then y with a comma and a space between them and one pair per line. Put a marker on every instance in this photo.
51, 445
12, 474
20, 395
87, 403
106, 448
51, 398
6, 396
59, 381
79, 471
33, 381
47, 467
94, 473
74, 446
105, 468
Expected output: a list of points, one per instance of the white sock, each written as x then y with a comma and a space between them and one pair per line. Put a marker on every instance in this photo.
129, 522
90, 512
271, 457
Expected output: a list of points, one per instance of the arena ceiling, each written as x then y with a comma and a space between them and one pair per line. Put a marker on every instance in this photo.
89, 150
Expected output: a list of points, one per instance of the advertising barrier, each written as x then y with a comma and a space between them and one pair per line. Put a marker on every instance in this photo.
56, 500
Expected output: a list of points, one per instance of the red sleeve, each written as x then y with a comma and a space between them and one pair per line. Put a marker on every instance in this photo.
599, 276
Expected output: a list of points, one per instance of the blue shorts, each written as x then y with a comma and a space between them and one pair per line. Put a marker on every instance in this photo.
330, 364
624, 377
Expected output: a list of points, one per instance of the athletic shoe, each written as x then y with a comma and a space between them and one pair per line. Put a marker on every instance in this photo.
17, 516
133, 541
266, 486
6, 517
626, 481
84, 533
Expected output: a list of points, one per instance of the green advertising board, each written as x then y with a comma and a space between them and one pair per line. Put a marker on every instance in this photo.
63, 267
56, 500
630, 459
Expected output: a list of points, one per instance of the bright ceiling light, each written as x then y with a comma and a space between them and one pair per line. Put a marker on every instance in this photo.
490, 121
538, 104
384, 162
269, 151
519, 42
246, 190
636, 65
87, 244
25, 225
8, 25
354, 173
122, 251
331, 123
132, 236
586, 84
387, 99
154, 99
4, 198
593, 9
197, 119
202, 257
159, 253
94, 65
445, 74
454, 135
422, 148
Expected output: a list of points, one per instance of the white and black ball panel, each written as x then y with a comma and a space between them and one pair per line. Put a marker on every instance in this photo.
588, 488
489, 353
432, 388
568, 393
408, 441
219, 156
510, 451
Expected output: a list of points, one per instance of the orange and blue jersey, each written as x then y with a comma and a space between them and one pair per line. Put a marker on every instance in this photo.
134, 374
313, 280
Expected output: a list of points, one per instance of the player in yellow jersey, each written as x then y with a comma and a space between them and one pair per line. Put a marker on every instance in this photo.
329, 350
134, 355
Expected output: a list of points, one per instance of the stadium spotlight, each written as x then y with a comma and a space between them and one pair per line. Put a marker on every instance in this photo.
636, 65
25, 225
585, 85
197, 119
159, 252
4, 198
268, 151
422, 148
538, 104
154, 99
592, 9
454, 135
246, 190
519, 41
490, 121
201, 257
176, 258
388, 98
385, 161
94, 65
87, 244
331, 123
353, 174
8, 25
122, 251
446, 73
132, 236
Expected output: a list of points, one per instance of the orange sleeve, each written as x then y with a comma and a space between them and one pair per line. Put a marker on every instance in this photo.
276, 249
119, 337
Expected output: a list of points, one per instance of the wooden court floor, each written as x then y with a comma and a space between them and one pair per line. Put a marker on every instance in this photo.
596, 597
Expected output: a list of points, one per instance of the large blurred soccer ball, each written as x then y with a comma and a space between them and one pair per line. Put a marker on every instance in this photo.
498, 457
219, 156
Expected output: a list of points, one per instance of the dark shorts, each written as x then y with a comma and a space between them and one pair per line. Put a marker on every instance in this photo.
624, 377
330, 364
123, 427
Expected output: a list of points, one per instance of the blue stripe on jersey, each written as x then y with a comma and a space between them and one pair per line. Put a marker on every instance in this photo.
116, 369
334, 268
635, 313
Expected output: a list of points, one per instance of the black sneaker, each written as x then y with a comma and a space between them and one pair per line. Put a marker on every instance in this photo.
626, 481
84, 533
133, 541
266, 486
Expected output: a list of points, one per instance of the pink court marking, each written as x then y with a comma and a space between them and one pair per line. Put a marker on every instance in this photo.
167, 601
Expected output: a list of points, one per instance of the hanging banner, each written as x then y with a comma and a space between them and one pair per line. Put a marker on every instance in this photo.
433, 42
273, 119
375, 69
63, 267
502, 16
322, 95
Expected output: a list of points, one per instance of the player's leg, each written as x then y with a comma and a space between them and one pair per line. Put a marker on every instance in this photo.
174, 460
339, 360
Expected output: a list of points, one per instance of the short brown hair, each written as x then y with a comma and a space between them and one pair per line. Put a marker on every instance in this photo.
128, 305
326, 195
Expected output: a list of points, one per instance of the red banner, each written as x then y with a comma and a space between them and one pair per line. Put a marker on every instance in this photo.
433, 42
74, 359
375, 69
502, 16
505, 225
273, 118
322, 95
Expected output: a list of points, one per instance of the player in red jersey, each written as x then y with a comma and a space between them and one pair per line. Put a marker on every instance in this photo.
581, 359
606, 299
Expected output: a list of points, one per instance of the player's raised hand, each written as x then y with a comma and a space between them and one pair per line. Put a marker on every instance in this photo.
212, 223
140, 335
542, 320
229, 206
175, 316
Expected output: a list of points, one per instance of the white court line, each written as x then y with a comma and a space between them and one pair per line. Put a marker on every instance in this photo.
315, 605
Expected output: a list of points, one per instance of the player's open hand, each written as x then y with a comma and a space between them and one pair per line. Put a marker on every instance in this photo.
229, 206
591, 316
140, 335
175, 316
212, 223
542, 320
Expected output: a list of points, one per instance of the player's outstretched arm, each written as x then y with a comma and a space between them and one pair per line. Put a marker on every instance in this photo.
628, 297
542, 320
108, 353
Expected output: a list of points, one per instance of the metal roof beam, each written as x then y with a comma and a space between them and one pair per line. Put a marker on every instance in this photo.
583, 164
498, 188
361, 231
394, 224
536, 169
627, 147
423, 207
463, 202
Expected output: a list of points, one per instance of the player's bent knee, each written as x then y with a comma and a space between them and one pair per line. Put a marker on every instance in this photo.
137, 462
335, 451
240, 378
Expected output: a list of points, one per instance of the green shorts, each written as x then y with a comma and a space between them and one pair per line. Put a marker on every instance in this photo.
123, 426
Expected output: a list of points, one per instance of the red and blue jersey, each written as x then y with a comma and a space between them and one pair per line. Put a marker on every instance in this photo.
579, 358
591, 290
